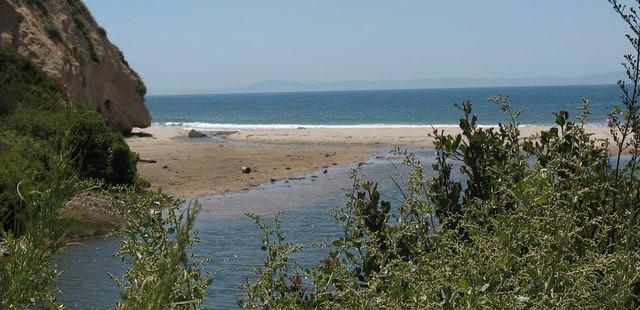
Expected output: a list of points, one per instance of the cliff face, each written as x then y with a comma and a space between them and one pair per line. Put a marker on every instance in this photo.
63, 38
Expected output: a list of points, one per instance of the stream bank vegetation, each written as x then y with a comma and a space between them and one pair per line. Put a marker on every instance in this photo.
52, 150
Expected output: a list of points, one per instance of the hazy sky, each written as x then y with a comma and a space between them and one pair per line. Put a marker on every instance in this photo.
195, 46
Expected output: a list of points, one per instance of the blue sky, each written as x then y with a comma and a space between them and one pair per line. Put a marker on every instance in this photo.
198, 46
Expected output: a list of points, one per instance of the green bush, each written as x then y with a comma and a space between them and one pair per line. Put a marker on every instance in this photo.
100, 152
157, 245
21, 164
26, 277
23, 84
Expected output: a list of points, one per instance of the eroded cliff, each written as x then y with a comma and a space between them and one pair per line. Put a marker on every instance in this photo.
62, 37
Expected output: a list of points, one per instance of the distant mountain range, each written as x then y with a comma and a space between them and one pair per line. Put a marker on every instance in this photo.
295, 86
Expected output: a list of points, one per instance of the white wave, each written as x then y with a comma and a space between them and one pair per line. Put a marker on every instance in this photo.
236, 127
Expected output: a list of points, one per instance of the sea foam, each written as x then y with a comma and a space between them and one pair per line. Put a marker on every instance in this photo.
231, 127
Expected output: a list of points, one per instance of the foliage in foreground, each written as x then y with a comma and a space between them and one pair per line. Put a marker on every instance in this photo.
26, 278
536, 222
157, 245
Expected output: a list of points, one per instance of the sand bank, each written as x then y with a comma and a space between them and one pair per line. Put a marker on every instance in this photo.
205, 166
395, 136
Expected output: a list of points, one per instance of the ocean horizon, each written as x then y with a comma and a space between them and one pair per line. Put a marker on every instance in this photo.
375, 108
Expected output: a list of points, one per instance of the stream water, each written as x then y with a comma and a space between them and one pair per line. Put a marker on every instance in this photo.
231, 238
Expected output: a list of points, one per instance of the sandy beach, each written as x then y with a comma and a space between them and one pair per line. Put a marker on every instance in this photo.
380, 136
205, 166
194, 167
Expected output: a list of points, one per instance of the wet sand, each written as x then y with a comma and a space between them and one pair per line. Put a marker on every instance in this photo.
195, 167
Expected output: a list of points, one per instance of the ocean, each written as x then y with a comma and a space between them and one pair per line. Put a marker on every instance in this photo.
375, 108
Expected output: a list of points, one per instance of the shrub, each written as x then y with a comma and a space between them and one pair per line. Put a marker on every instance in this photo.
26, 279
536, 222
22, 163
101, 152
157, 244
23, 84
549, 221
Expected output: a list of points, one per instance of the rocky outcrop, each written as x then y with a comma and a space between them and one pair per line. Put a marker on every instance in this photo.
62, 37
196, 134
89, 215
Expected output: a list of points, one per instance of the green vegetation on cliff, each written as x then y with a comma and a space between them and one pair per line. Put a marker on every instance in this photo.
35, 117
